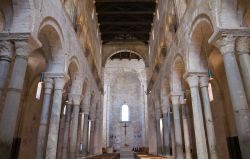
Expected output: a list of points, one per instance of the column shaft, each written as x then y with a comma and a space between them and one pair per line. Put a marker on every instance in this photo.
244, 58
42, 132
200, 136
73, 132
172, 136
237, 94
65, 151
177, 127
6, 52
208, 117
11, 107
159, 140
85, 135
92, 132
186, 132
51, 149
166, 134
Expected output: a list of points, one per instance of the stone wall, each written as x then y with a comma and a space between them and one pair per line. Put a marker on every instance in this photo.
124, 82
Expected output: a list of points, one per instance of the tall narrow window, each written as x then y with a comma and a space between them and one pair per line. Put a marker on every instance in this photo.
125, 112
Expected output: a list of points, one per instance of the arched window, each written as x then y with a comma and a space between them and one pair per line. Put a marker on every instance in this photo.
125, 112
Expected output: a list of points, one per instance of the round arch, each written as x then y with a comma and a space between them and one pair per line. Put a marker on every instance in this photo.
51, 38
199, 48
177, 72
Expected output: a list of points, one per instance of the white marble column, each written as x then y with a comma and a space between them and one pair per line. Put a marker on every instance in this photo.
43, 127
186, 132
208, 117
172, 135
53, 131
92, 132
85, 135
85, 107
13, 97
200, 136
76, 99
177, 125
6, 55
165, 105
237, 93
65, 154
166, 135
158, 131
242, 48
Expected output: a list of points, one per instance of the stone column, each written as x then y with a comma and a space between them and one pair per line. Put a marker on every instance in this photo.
76, 99
166, 135
13, 97
208, 117
85, 131
200, 136
85, 135
177, 125
158, 131
172, 136
51, 149
65, 152
165, 105
6, 55
237, 94
42, 132
79, 133
92, 132
243, 51
185, 128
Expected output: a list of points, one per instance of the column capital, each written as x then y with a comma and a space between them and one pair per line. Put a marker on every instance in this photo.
175, 99
192, 80
75, 99
23, 48
204, 80
242, 45
226, 44
182, 100
6, 50
60, 82
48, 85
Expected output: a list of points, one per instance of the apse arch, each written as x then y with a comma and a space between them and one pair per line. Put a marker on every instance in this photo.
199, 48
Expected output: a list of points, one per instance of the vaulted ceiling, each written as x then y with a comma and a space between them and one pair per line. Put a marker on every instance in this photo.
125, 20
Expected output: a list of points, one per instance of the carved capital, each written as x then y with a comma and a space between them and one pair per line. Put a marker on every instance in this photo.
182, 100
192, 80
204, 81
23, 49
242, 45
75, 99
60, 82
226, 44
175, 99
6, 49
48, 84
